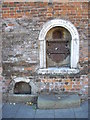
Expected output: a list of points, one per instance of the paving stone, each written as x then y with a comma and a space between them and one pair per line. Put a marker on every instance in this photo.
85, 106
64, 113
89, 106
80, 113
0, 111
9, 111
44, 114
0, 114
26, 112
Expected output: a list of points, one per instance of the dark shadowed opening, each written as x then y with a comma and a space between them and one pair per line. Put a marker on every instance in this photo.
57, 34
22, 88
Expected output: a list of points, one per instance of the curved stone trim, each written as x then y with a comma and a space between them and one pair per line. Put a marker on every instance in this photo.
21, 79
16, 80
34, 88
74, 42
59, 22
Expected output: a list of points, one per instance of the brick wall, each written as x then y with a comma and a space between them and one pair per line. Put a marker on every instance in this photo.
89, 49
21, 25
0, 59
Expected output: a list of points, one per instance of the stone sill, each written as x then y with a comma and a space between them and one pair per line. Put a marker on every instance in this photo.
20, 98
58, 71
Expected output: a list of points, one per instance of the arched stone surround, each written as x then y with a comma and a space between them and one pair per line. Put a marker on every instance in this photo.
74, 46
34, 88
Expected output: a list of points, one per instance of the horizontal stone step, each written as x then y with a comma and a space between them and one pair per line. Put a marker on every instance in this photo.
22, 98
56, 102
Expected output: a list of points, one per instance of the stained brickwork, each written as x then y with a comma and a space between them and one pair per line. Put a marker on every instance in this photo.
89, 48
21, 25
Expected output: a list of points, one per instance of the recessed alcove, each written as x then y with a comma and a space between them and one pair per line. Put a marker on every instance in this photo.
58, 47
22, 88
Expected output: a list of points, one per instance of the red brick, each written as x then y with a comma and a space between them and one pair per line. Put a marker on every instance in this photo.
10, 24
28, 68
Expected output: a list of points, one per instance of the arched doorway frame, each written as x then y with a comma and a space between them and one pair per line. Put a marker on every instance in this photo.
74, 42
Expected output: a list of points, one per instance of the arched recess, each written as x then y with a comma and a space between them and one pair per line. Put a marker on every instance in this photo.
74, 41
22, 88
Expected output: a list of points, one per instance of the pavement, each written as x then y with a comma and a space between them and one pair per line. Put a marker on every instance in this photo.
27, 111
